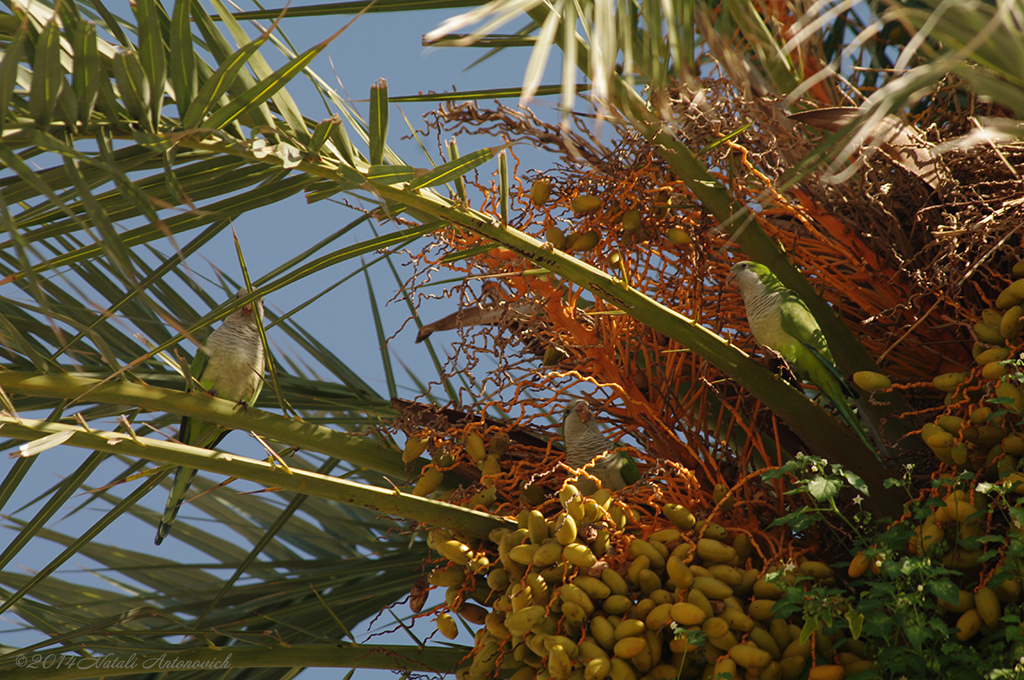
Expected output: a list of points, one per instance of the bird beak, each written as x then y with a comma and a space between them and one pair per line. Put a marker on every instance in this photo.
250, 308
729, 279
583, 411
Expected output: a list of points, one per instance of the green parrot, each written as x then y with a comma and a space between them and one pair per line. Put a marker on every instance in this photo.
229, 366
584, 443
781, 322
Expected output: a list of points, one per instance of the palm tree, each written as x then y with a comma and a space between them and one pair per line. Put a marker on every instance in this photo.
173, 122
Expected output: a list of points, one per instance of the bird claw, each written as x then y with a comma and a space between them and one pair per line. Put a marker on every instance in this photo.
781, 367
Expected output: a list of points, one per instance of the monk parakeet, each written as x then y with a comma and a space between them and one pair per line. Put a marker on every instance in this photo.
781, 321
584, 443
230, 366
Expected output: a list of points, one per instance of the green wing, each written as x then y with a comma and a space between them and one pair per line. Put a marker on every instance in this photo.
201, 434
812, 365
255, 393
798, 321
629, 471
196, 369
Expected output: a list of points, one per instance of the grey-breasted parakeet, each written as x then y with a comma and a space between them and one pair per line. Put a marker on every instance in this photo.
781, 321
229, 366
584, 443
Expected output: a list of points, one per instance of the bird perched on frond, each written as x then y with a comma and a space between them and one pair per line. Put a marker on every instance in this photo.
782, 323
228, 366
585, 444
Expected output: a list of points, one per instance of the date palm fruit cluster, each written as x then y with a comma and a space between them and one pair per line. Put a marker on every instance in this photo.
630, 221
585, 593
486, 459
981, 431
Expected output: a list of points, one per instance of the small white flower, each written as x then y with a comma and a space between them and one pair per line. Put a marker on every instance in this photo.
858, 499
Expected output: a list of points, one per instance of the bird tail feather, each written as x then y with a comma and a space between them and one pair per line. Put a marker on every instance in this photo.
835, 394
183, 477
843, 385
